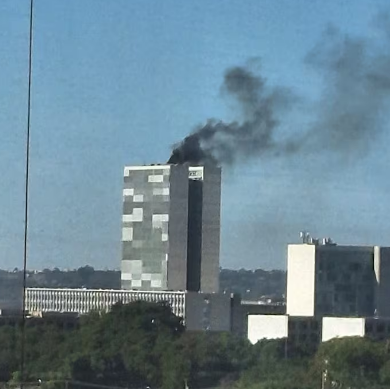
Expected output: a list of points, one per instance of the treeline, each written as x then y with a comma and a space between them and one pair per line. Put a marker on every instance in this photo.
254, 284
250, 284
83, 277
144, 345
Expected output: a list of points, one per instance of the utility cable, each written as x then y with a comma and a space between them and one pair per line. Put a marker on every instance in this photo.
26, 198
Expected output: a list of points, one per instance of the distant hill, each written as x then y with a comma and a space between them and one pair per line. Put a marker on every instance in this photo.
250, 284
254, 284
83, 277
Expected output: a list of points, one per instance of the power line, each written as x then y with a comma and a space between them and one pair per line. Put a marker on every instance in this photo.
27, 169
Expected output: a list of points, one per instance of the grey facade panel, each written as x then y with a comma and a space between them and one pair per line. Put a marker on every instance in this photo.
211, 223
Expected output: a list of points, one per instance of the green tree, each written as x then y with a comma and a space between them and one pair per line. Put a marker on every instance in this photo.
351, 361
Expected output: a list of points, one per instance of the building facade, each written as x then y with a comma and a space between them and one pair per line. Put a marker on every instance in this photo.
311, 331
154, 227
330, 280
204, 225
171, 228
297, 331
370, 327
200, 311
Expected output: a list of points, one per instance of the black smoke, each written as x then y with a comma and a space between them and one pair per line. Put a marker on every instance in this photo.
220, 142
355, 75
348, 115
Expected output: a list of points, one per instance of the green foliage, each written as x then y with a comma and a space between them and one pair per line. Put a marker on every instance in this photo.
8, 352
352, 361
270, 368
143, 344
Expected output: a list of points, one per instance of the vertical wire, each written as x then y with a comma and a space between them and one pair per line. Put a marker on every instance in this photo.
26, 198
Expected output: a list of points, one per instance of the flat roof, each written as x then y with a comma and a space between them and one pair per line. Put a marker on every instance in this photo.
147, 167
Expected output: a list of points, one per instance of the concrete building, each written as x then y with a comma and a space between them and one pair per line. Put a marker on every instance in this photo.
338, 327
310, 331
324, 279
243, 309
332, 291
200, 311
171, 228
204, 226
298, 331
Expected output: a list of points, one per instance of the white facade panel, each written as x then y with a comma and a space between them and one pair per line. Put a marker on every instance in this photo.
127, 234
301, 280
339, 327
156, 178
128, 192
267, 327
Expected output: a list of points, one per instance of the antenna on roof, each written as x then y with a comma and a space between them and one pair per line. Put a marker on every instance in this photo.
305, 236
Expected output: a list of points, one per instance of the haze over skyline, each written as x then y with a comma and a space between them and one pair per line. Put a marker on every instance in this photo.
118, 83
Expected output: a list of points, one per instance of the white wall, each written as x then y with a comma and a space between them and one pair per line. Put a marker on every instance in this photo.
267, 327
300, 280
338, 327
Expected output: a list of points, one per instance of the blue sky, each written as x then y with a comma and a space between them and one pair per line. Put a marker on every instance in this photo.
118, 82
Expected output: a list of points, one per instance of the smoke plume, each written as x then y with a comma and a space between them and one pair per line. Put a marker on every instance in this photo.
356, 90
220, 142
349, 114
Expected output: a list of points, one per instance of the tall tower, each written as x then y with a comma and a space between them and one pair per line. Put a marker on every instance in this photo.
204, 225
171, 228
154, 227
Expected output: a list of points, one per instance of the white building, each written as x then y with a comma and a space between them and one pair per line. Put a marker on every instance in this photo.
330, 280
298, 331
200, 311
310, 331
339, 327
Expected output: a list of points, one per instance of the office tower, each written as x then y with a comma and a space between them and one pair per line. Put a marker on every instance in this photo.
204, 208
171, 228
154, 227
324, 279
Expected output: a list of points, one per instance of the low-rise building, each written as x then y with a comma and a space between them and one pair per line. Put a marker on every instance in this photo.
370, 327
200, 311
303, 332
309, 332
